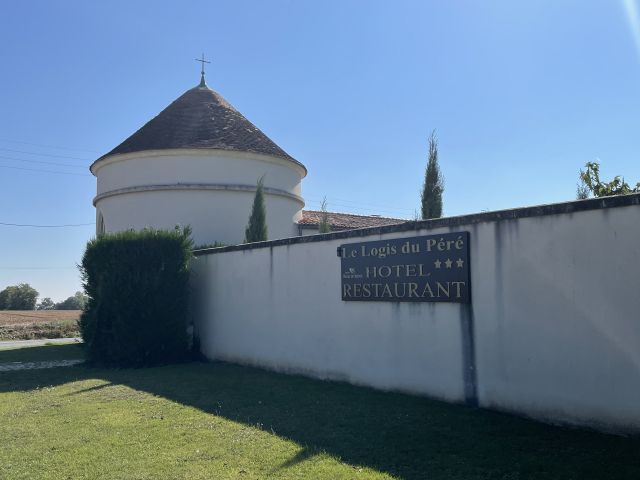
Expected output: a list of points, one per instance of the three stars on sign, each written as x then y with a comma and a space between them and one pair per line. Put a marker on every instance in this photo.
448, 263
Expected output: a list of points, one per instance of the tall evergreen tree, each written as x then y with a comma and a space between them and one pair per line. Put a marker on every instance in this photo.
433, 183
256, 230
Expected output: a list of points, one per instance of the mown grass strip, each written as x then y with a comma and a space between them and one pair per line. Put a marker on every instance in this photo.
71, 351
215, 420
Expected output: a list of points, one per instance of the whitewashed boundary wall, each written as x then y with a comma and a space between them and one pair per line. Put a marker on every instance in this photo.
552, 330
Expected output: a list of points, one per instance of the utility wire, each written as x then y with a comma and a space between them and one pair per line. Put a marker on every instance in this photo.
391, 211
44, 154
45, 226
337, 201
46, 171
48, 146
367, 204
38, 268
46, 163
335, 208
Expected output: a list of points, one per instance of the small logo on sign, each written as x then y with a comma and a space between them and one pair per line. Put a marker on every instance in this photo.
351, 273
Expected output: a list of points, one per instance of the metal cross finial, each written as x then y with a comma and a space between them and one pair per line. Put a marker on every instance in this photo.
202, 61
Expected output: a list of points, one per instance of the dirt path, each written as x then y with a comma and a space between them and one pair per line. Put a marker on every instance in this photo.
10, 367
37, 343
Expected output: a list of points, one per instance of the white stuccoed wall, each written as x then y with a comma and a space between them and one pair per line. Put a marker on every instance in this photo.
280, 308
220, 216
557, 315
555, 312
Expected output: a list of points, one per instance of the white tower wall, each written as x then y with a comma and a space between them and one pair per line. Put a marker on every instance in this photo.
210, 190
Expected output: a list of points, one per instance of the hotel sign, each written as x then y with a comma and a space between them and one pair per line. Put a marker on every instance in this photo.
431, 268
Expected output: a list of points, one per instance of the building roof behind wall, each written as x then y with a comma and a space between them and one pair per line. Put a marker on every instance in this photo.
345, 221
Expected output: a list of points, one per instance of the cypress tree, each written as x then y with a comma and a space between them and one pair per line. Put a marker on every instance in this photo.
433, 183
256, 230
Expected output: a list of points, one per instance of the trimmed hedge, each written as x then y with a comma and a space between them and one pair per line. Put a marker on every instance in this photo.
138, 288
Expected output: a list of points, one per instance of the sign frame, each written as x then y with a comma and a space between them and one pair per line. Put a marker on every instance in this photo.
424, 268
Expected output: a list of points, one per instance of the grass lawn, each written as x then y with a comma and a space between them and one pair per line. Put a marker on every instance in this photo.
220, 421
72, 351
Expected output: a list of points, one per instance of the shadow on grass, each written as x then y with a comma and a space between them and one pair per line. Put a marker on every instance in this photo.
409, 437
69, 351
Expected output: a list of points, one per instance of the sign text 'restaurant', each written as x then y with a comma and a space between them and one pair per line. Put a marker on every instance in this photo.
431, 268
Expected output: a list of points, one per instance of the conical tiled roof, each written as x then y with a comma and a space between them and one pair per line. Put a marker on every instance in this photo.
200, 118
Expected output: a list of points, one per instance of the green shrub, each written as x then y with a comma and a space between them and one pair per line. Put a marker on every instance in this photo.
137, 283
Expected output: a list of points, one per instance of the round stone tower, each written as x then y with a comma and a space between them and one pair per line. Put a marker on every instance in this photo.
197, 163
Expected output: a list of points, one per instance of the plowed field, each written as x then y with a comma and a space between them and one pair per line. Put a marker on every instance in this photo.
32, 324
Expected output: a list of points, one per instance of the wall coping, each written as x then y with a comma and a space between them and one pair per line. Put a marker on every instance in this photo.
563, 208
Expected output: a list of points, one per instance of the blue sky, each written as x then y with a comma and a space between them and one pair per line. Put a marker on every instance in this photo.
521, 94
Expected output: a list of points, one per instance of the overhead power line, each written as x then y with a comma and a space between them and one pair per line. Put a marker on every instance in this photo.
401, 212
338, 201
46, 171
38, 268
44, 154
45, 226
40, 161
48, 146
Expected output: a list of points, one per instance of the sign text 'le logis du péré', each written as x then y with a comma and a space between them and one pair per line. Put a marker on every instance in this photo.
432, 268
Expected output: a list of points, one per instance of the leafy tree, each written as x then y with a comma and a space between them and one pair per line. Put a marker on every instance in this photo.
590, 183
433, 183
582, 191
18, 297
46, 304
324, 226
76, 302
256, 230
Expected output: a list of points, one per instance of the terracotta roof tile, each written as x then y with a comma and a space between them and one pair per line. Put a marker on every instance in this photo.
346, 221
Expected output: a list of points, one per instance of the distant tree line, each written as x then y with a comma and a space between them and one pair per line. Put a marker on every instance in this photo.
76, 302
24, 297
